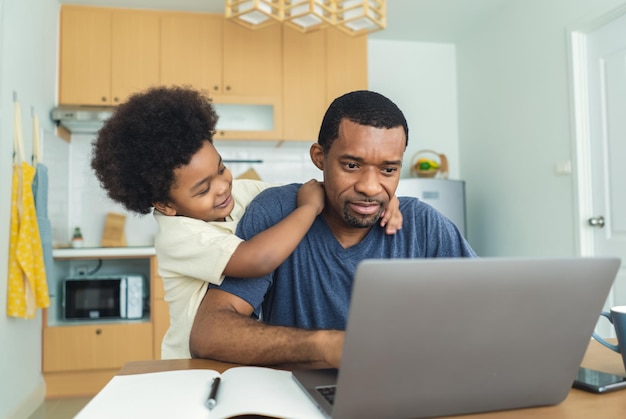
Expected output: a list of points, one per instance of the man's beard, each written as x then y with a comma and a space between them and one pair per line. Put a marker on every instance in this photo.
363, 221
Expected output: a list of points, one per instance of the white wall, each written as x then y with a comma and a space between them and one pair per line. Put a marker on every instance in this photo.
515, 127
28, 44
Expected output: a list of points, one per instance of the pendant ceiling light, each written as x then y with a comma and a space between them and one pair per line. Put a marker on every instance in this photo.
255, 13
309, 15
355, 17
359, 17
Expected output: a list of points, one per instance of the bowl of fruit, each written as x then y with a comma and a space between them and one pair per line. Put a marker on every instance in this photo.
429, 163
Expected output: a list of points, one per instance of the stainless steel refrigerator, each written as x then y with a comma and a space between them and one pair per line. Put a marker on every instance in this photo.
447, 196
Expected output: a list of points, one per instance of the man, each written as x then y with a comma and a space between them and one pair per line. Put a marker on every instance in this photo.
304, 303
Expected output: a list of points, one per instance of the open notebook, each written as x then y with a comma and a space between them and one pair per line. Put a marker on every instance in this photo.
183, 394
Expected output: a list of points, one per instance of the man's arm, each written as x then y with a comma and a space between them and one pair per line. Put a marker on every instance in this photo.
223, 330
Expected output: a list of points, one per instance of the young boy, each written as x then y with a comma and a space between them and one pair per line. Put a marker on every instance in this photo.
156, 151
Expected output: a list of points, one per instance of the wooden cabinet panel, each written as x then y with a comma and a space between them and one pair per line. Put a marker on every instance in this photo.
346, 57
304, 84
191, 50
135, 53
100, 346
85, 56
252, 60
317, 68
106, 54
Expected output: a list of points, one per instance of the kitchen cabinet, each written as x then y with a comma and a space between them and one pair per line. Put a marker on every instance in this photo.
221, 57
235, 65
79, 360
317, 68
80, 357
304, 83
106, 54
346, 68
94, 347
252, 60
191, 50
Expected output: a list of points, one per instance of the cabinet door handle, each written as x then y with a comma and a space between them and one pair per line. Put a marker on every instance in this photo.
116, 99
216, 88
98, 331
227, 88
104, 99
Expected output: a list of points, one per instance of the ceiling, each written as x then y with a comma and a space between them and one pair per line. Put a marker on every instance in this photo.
407, 20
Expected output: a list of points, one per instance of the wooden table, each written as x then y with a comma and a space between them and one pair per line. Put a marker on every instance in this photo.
578, 404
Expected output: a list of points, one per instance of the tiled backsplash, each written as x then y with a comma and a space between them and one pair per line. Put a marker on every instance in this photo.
76, 199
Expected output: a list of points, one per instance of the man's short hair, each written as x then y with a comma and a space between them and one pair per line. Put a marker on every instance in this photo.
363, 107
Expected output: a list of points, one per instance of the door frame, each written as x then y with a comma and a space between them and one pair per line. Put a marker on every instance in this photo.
577, 36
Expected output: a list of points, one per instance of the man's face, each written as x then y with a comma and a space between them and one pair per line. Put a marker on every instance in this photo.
361, 173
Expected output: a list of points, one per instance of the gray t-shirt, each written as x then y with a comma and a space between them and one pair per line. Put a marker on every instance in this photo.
312, 288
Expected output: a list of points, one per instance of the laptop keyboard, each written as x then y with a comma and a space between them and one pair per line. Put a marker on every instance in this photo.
328, 392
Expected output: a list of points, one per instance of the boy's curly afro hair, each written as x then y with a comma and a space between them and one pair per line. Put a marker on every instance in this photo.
150, 135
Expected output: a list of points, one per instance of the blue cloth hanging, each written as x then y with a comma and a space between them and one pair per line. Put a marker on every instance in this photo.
40, 194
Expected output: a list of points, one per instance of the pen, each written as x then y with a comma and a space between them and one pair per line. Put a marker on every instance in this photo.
212, 400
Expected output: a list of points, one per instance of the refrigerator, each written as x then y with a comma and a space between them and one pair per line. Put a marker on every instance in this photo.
445, 195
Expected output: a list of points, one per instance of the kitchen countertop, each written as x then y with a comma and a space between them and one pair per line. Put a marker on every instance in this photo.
97, 252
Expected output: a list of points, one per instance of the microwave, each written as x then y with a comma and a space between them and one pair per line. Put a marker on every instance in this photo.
96, 298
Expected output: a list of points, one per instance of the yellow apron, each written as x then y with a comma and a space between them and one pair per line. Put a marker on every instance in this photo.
27, 286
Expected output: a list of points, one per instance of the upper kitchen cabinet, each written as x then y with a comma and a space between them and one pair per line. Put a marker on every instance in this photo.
106, 54
317, 68
221, 57
240, 68
346, 68
191, 50
252, 60
304, 83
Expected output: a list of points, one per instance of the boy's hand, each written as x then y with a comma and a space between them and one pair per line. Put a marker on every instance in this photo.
392, 217
312, 193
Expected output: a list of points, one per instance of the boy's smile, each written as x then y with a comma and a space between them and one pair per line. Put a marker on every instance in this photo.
202, 188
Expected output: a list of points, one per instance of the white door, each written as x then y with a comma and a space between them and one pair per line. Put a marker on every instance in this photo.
602, 178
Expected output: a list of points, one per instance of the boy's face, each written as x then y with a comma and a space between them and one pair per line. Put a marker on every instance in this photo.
202, 189
361, 173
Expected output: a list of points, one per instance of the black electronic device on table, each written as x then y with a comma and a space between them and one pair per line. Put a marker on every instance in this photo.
598, 381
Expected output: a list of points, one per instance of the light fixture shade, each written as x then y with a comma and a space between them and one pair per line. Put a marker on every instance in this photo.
254, 13
359, 17
308, 15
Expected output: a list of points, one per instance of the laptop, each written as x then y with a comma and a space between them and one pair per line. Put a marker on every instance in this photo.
435, 337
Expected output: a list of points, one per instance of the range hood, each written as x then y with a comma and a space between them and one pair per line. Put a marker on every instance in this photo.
81, 119
241, 118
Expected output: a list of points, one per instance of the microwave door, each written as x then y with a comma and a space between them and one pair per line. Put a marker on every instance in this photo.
92, 299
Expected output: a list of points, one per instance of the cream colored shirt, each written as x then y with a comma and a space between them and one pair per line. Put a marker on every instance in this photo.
191, 253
